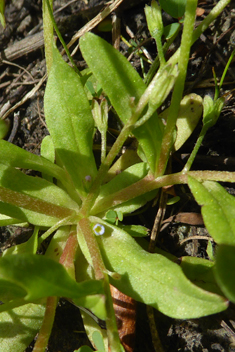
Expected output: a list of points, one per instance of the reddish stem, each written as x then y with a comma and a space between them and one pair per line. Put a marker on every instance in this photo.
47, 324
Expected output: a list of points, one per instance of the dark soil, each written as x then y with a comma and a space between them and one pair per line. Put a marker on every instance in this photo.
21, 72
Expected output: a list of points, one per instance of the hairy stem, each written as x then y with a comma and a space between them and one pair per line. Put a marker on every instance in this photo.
49, 9
94, 251
149, 184
186, 42
215, 12
48, 33
47, 324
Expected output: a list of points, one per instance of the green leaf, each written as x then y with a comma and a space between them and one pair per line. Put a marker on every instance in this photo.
47, 149
212, 110
8, 220
126, 160
154, 19
96, 303
170, 30
135, 230
91, 326
41, 277
48, 152
175, 8
14, 156
201, 272
224, 270
25, 215
98, 340
210, 250
218, 209
57, 243
117, 77
11, 155
85, 349
122, 83
154, 279
19, 326
26, 198
10, 291
111, 216
70, 123
188, 117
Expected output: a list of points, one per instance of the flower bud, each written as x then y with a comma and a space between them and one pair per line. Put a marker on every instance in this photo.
154, 19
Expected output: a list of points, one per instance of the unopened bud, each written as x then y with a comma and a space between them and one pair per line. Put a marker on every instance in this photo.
154, 19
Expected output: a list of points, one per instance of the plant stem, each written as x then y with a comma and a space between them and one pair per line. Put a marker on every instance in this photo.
49, 9
88, 202
128, 128
149, 184
100, 273
225, 71
215, 12
47, 324
156, 62
97, 261
103, 145
158, 39
48, 33
168, 138
195, 149
111, 324
68, 256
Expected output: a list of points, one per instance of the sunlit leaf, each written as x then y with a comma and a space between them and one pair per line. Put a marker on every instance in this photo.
188, 117
218, 209
85, 349
26, 198
170, 30
14, 156
38, 276
201, 273
48, 152
121, 82
8, 220
129, 176
154, 279
91, 326
19, 326
70, 123
175, 8
224, 270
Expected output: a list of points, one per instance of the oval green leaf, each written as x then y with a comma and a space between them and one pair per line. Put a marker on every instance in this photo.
218, 209
122, 84
26, 198
154, 279
70, 123
224, 270
175, 8
19, 327
41, 277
